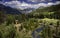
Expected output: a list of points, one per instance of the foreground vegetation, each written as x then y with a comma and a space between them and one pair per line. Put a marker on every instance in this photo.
49, 19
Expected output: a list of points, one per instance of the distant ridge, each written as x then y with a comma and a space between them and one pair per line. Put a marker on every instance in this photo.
9, 10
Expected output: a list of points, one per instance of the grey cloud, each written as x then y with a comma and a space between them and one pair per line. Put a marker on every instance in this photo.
40, 0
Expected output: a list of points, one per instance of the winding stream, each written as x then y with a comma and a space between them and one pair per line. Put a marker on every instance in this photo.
34, 35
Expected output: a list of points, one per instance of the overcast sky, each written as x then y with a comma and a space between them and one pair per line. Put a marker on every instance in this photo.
32, 1
22, 4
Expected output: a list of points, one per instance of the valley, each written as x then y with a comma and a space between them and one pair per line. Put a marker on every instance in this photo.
39, 23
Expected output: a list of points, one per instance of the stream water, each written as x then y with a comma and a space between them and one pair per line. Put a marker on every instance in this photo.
38, 30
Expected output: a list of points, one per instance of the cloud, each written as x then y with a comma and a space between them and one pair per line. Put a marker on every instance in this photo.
48, 4
24, 5
58, 2
39, 0
33, 0
18, 4
1, 2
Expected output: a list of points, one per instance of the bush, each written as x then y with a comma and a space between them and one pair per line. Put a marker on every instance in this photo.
7, 31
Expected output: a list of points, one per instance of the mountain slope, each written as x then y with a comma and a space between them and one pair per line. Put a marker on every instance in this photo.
28, 10
48, 9
52, 11
9, 10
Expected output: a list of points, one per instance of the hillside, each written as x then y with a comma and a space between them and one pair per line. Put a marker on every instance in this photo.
52, 11
9, 10
40, 23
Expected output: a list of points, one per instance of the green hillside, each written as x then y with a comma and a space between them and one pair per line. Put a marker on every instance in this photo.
49, 12
29, 25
